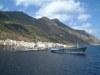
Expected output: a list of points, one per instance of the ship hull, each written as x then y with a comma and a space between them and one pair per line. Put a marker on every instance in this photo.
71, 50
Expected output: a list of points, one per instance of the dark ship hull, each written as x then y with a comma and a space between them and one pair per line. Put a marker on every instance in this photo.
71, 50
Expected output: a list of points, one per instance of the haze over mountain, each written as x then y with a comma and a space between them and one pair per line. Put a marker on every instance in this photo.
19, 26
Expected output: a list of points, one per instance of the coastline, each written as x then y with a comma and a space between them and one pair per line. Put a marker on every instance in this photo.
14, 45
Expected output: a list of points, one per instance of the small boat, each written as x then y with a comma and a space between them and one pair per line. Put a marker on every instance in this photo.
74, 50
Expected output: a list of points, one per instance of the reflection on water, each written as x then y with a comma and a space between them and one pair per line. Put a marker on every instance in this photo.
47, 63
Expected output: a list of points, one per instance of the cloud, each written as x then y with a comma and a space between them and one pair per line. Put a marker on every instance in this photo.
58, 7
31, 2
70, 12
83, 17
85, 26
2, 8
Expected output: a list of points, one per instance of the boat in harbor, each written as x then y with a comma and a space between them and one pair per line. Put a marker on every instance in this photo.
73, 50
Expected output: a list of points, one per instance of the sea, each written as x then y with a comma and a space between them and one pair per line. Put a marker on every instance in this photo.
48, 63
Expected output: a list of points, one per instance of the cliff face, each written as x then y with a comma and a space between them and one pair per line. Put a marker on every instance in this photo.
19, 26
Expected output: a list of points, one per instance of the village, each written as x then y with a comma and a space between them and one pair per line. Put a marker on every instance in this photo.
22, 45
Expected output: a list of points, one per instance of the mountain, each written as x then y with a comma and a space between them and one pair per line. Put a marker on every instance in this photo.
19, 26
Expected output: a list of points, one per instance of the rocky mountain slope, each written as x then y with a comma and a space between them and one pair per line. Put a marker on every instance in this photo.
19, 26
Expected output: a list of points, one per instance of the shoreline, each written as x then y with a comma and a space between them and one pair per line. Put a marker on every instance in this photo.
30, 46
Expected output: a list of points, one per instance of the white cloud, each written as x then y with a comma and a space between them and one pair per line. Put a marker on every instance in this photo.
71, 12
83, 17
2, 8
85, 26
31, 2
58, 7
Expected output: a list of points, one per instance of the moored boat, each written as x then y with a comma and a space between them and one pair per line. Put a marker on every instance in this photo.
74, 50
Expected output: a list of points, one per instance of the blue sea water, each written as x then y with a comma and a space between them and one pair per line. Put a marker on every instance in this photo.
47, 63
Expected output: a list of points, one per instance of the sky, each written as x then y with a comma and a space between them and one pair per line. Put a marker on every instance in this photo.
78, 14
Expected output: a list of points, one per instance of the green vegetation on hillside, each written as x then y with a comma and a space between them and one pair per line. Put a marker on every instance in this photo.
19, 26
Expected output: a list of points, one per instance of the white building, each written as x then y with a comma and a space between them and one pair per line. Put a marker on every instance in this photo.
32, 45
